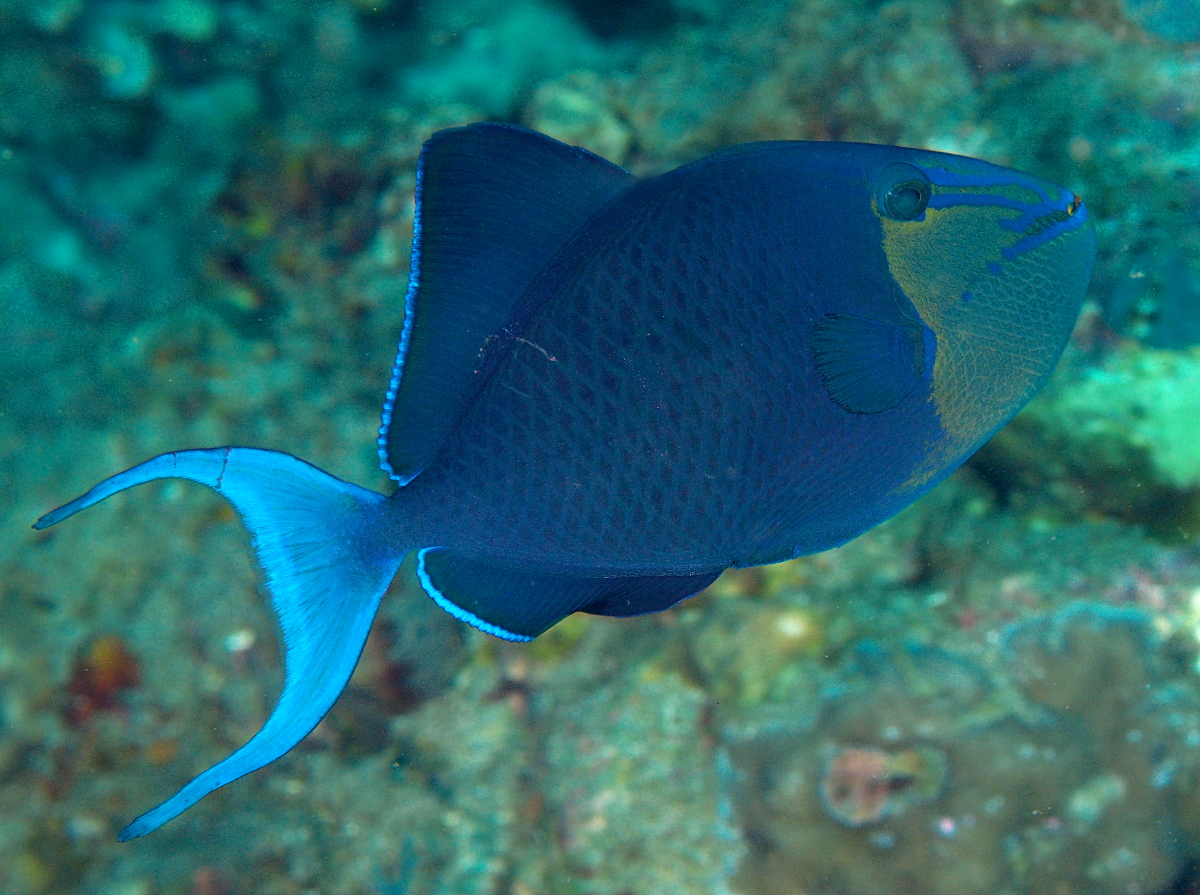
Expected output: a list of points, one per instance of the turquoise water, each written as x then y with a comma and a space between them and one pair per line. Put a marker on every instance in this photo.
207, 209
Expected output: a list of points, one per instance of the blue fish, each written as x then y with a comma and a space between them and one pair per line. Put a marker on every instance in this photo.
610, 389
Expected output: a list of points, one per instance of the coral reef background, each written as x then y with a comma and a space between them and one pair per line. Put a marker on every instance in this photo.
207, 208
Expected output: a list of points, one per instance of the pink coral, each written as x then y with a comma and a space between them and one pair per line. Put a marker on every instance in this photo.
862, 786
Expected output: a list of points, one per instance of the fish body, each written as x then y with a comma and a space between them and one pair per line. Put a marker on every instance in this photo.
658, 407
608, 390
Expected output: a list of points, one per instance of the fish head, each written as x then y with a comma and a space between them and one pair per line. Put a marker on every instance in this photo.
997, 264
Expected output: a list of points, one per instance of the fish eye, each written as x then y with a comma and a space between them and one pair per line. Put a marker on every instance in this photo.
904, 192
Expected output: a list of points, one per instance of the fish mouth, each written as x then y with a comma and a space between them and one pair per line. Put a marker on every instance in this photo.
1038, 229
1053, 213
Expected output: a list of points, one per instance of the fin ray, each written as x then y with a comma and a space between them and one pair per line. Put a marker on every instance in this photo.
867, 365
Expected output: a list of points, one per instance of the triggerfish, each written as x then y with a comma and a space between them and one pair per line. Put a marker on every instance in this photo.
609, 389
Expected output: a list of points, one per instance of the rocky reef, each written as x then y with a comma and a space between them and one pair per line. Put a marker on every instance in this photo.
208, 206
1062, 765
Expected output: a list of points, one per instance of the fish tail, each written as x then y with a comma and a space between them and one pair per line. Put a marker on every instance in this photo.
323, 544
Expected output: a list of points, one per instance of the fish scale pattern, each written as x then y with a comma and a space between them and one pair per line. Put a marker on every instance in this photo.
662, 400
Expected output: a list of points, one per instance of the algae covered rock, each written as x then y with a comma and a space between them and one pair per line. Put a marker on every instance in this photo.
748, 652
1118, 438
636, 796
578, 109
1062, 763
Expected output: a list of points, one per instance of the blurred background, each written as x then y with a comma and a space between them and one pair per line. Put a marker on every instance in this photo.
205, 214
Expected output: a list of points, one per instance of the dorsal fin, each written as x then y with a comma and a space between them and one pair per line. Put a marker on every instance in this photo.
494, 203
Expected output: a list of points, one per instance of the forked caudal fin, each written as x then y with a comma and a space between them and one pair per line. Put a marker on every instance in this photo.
318, 539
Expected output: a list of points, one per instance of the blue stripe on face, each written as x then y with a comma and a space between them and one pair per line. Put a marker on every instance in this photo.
942, 177
1039, 222
1049, 226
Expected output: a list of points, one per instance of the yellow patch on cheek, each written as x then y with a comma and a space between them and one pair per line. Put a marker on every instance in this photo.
936, 261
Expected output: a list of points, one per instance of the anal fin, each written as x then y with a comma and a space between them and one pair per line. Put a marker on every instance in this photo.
519, 605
